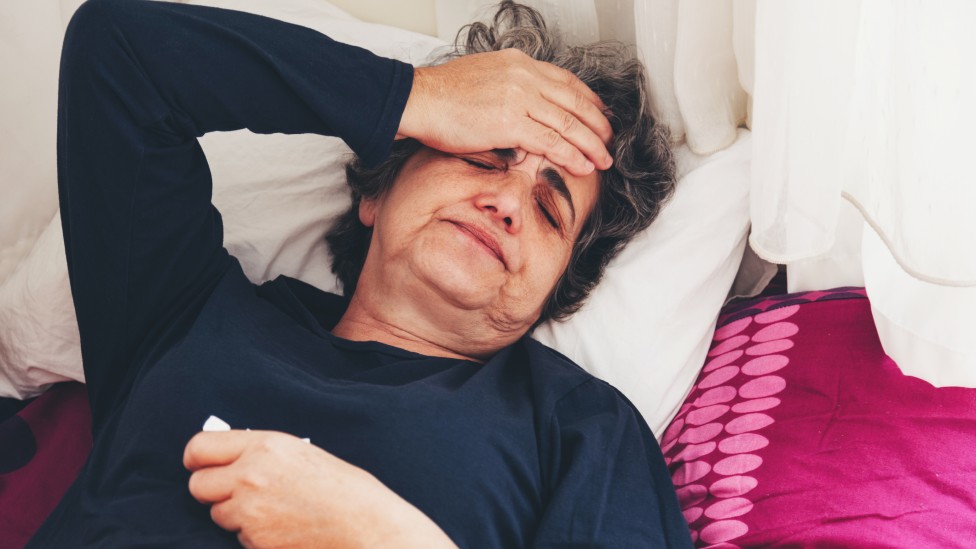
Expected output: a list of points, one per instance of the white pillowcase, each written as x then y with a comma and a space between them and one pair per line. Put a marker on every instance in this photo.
645, 329
647, 326
30, 44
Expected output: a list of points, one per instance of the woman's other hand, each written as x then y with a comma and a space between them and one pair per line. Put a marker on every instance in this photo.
275, 490
507, 100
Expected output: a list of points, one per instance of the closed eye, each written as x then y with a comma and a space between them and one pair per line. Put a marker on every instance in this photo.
545, 213
493, 160
477, 164
557, 184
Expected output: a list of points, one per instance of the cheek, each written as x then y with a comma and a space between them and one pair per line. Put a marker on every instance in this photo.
401, 210
549, 266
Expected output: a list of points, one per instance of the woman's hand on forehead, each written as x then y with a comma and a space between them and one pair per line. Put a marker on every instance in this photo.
507, 100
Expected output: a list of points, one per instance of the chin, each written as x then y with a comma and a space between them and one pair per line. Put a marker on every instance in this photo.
467, 280
462, 290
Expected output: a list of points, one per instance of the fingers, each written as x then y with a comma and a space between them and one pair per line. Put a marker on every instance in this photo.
575, 113
592, 132
543, 140
506, 99
571, 94
587, 144
227, 517
208, 449
213, 484
590, 121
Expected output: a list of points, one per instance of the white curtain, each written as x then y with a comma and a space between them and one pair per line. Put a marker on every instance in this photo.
863, 118
863, 131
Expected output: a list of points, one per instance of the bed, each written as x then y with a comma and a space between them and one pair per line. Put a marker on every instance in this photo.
783, 420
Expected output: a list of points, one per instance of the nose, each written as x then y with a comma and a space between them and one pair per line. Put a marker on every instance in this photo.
507, 201
503, 203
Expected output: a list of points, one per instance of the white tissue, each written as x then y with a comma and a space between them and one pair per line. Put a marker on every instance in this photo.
214, 423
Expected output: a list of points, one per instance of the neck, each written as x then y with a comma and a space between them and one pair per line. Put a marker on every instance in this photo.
404, 327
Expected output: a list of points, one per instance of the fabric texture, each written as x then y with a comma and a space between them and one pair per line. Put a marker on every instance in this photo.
800, 432
172, 331
44, 446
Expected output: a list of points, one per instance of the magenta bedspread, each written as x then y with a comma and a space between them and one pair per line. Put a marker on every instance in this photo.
800, 432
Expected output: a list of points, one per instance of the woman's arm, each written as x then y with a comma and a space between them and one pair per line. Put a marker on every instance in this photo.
140, 81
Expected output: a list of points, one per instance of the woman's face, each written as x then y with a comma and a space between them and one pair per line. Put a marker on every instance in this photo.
487, 233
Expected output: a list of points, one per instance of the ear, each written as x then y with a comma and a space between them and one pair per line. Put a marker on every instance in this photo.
367, 212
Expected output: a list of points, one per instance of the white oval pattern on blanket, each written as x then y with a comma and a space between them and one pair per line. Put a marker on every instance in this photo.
740, 367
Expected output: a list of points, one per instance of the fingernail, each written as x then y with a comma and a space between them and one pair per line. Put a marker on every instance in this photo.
589, 167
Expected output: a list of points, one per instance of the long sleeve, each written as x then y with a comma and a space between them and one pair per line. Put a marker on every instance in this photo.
140, 81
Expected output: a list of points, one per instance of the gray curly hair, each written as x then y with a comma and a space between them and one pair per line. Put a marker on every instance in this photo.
632, 191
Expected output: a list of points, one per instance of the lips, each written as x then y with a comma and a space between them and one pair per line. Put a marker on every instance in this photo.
485, 238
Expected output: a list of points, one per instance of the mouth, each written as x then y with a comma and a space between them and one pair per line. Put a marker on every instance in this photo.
485, 239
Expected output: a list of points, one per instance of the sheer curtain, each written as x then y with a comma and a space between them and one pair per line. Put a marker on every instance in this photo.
863, 118
863, 114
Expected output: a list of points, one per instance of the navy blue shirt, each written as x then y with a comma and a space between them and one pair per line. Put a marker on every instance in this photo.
524, 450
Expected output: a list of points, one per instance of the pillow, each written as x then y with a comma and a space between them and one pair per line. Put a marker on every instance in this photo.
645, 329
279, 194
647, 325
800, 431
31, 36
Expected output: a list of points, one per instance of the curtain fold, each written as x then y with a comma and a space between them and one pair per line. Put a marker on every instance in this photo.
657, 21
799, 122
706, 75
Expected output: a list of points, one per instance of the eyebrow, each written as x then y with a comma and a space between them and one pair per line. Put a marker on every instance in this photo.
552, 177
557, 184
506, 155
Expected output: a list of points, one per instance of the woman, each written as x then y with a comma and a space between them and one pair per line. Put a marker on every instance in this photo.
433, 420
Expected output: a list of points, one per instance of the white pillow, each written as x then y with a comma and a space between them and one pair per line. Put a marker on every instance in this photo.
279, 194
647, 326
645, 329
30, 46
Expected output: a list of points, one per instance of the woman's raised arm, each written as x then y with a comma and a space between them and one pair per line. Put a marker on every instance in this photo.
140, 81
